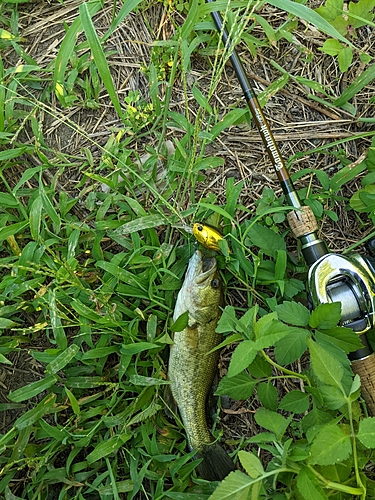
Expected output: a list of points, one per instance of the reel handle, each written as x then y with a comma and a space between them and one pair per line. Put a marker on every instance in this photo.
365, 368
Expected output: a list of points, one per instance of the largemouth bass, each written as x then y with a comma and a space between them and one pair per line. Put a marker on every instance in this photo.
191, 370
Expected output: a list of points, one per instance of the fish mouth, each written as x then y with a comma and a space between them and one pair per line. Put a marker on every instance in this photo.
208, 266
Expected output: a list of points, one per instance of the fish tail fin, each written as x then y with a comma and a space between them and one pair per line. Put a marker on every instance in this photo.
216, 463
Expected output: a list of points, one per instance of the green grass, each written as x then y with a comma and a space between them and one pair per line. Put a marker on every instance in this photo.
90, 276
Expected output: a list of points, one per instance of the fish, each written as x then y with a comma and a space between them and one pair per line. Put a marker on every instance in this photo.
207, 236
192, 366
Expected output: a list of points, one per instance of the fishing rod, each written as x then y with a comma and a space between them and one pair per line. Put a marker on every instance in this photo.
348, 279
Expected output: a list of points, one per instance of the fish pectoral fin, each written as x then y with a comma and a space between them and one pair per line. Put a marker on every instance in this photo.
216, 463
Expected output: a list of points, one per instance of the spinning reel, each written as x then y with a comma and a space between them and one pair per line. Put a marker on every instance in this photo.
350, 279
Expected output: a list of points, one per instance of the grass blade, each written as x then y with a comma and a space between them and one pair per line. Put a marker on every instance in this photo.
99, 56
359, 83
309, 16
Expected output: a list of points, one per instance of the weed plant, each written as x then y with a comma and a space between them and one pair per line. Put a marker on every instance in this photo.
89, 276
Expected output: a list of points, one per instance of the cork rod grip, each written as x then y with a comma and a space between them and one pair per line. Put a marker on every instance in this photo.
365, 368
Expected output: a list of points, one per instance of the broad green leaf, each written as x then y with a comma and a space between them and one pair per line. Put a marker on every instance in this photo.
240, 386
272, 421
330, 445
180, 323
308, 485
252, 465
295, 402
235, 484
32, 416
343, 338
62, 359
345, 58
242, 356
200, 98
266, 239
291, 347
332, 47
366, 432
260, 367
315, 417
4, 360
324, 365
30, 390
293, 313
333, 398
36, 218
326, 316
267, 395
228, 120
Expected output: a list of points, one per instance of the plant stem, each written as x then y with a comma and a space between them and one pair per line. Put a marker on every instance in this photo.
285, 370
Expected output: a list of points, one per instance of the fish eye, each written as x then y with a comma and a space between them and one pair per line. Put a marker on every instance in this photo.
215, 283
200, 228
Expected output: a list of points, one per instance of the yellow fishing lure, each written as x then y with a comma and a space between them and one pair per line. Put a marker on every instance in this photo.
207, 236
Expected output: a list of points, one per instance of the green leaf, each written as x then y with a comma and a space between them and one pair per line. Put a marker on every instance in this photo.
359, 83
266, 239
291, 347
252, 465
11, 230
260, 367
62, 359
240, 386
293, 313
272, 421
242, 356
235, 484
295, 402
308, 485
366, 432
31, 390
146, 222
99, 56
333, 398
31, 416
107, 447
325, 316
330, 445
345, 58
343, 338
180, 323
324, 365
331, 47
267, 395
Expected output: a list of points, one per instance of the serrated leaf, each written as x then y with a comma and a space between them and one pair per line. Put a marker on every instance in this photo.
331, 445
252, 465
291, 347
234, 484
332, 397
271, 421
326, 368
295, 402
266, 239
366, 432
260, 367
308, 486
240, 386
326, 316
242, 356
293, 313
267, 395
343, 338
